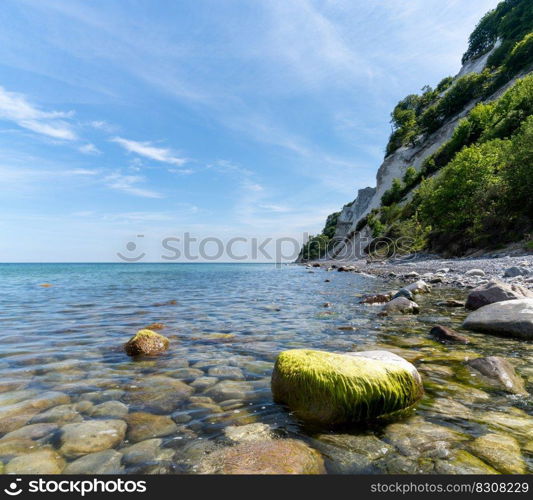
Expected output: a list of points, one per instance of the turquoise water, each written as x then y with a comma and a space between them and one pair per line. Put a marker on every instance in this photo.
68, 338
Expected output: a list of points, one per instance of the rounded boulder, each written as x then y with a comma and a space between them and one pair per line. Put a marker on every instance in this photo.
338, 389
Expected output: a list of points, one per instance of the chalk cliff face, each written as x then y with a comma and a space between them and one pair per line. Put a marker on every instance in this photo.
353, 239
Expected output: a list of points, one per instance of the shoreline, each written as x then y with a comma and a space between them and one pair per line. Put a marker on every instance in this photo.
439, 272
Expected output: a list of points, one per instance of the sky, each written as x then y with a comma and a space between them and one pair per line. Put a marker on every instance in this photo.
125, 122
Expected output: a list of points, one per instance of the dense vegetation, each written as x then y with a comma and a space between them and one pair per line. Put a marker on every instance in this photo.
317, 246
511, 23
483, 195
476, 190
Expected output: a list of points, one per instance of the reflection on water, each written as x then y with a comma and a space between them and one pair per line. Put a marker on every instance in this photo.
62, 364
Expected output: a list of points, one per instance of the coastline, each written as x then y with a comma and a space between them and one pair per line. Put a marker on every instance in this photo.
428, 266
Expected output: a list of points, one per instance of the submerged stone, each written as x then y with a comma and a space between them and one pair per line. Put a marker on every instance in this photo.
229, 389
110, 409
446, 335
500, 451
463, 462
146, 342
273, 456
416, 437
91, 436
351, 454
143, 426
332, 389
102, 462
498, 370
518, 423
45, 461
250, 432
146, 451
159, 393
33, 431
14, 416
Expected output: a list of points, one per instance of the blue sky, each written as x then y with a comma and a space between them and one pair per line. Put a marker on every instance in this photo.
218, 117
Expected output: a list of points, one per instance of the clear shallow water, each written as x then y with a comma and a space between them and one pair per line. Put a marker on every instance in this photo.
68, 338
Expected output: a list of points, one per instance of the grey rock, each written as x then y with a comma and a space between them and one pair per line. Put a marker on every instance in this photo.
400, 305
511, 318
419, 286
495, 291
514, 271
499, 370
475, 272
403, 292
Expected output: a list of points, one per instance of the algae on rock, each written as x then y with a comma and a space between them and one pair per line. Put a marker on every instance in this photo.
333, 389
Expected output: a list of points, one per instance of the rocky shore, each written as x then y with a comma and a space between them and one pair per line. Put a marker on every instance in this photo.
348, 369
463, 273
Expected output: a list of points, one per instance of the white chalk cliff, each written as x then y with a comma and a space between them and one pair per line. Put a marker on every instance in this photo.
353, 239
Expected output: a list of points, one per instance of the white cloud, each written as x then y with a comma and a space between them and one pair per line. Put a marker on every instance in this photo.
252, 186
147, 150
83, 213
81, 171
16, 108
275, 208
102, 125
128, 184
89, 149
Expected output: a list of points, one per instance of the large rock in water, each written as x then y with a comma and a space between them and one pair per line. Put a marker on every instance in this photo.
333, 389
495, 291
146, 342
511, 318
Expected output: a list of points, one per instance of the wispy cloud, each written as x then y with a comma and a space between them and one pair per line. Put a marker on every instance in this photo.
102, 125
16, 108
130, 184
82, 171
89, 149
147, 150
274, 208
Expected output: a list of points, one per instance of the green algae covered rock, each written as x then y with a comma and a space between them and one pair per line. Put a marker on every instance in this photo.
336, 389
146, 342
